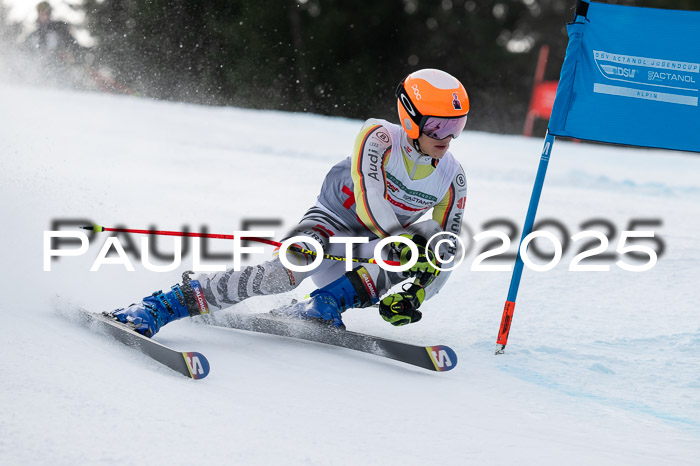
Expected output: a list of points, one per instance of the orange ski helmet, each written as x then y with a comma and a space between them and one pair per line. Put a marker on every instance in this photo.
433, 103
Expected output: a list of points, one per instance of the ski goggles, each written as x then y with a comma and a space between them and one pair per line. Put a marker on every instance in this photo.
440, 128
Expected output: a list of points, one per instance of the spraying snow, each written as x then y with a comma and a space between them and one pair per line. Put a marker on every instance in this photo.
601, 367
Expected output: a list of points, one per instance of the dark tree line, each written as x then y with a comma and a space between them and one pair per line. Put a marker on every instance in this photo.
333, 57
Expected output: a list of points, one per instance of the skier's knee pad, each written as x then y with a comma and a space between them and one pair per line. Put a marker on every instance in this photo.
231, 287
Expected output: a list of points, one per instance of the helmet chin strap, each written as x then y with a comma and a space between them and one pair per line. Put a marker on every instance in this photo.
416, 145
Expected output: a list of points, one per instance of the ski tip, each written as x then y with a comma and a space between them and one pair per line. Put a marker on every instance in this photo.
443, 357
197, 364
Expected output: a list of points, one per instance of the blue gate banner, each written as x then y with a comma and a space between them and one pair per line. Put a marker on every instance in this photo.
631, 76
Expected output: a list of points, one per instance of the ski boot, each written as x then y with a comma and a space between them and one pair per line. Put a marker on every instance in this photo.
325, 305
148, 316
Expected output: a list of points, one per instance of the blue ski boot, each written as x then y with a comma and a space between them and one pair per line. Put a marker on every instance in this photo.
148, 316
354, 289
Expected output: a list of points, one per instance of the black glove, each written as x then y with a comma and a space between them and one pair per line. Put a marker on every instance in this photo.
424, 269
402, 308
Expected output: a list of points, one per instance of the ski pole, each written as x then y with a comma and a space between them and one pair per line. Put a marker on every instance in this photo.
98, 229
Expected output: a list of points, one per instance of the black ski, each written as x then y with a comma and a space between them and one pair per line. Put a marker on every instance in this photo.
190, 364
436, 358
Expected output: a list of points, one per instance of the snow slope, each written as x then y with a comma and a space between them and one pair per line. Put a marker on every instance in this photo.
602, 367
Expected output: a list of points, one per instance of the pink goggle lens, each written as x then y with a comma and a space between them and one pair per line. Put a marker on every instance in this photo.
440, 128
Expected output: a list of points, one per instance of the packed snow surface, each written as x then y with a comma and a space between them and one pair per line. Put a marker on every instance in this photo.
601, 367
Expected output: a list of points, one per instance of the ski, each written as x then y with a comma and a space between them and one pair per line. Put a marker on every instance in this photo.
438, 358
190, 364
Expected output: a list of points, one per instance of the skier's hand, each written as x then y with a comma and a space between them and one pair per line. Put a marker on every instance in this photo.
424, 269
402, 308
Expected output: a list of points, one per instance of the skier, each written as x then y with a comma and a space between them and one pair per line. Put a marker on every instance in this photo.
396, 174
56, 53
52, 37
